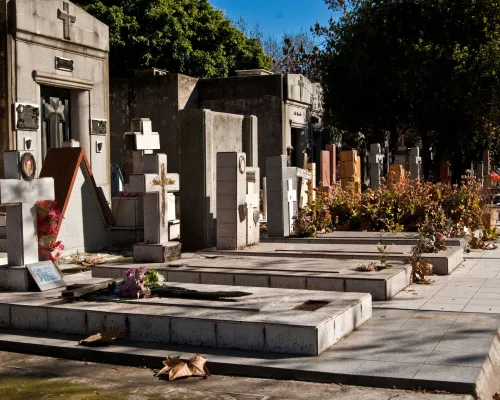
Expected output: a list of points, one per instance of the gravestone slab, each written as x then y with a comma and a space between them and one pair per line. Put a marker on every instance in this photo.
46, 275
376, 160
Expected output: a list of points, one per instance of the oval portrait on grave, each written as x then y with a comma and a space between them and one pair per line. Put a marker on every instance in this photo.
241, 164
27, 166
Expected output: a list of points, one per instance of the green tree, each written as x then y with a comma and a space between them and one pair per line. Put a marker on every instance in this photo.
424, 68
186, 36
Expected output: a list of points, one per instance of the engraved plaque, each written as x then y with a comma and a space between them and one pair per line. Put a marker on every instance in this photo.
250, 176
64, 64
256, 216
27, 117
99, 126
46, 275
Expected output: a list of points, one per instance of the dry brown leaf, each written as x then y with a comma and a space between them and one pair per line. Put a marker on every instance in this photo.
496, 396
197, 364
169, 363
179, 371
106, 338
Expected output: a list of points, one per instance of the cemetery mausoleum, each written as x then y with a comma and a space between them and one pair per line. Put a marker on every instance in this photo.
54, 82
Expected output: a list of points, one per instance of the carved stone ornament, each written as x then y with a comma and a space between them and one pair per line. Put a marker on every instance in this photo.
99, 126
256, 216
241, 164
27, 166
27, 117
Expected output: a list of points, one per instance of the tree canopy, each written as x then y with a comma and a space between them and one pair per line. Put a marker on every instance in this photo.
186, 36
424, 68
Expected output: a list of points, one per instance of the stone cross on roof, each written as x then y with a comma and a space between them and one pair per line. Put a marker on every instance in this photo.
67, 20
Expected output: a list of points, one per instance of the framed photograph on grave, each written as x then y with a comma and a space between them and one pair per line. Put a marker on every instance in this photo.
46, 275
27, 166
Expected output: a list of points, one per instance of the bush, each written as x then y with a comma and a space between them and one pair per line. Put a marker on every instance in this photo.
410, 205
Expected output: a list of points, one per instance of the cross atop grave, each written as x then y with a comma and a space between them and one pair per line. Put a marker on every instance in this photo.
19, 192
67, 20
375, 159
155, 183
292, 199
141, 140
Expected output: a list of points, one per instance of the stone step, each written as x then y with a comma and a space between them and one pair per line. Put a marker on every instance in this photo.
289, 321
350, 237
443, 262
329, 275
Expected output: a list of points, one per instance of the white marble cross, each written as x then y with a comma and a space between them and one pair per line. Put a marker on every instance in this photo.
144, 141
20, 197
155, 185
292, 198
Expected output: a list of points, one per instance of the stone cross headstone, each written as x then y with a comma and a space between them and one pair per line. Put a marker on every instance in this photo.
155, 183
376, 160
67, 20
292, 201
141, 140
415, 162
19, 192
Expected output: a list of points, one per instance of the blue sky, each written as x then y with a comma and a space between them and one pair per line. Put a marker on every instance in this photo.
277, 16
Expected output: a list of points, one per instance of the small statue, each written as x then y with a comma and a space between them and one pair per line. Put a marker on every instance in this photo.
289, 151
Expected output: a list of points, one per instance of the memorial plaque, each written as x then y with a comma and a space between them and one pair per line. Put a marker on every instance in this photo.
27, 117
46, 275
64, 64
99, 127
27, 166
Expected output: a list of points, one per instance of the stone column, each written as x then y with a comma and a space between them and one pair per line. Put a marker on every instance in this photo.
231, 199
264, 197
375, 159
415, 162
250, 140
80, 118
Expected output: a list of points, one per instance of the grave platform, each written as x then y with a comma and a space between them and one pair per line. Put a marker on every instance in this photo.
276, 272
298, 322
353, 237
443, 262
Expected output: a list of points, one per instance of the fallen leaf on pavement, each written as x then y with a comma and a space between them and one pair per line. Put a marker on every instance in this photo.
106, 338
176, 368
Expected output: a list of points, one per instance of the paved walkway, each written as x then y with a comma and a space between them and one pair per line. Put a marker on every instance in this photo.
474, 287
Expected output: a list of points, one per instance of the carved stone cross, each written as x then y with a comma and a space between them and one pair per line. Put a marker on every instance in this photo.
67, 20
54, 112
162, 181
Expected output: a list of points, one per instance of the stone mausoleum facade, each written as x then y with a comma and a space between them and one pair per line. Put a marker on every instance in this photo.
287, 107
54, 84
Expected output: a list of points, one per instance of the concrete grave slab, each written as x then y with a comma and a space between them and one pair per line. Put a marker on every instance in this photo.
297, 322
443, 262
279, 272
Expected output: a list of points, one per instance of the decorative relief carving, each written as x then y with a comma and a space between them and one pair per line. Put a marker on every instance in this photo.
27, 117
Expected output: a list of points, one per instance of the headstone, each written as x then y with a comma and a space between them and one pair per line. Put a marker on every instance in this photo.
350, 169
325, 177
264, 197
231, 201
141, 140
401, 156
445, 172
281, 206
396, 173
415, 162
480, 171
376, 160
155, 183
253, 205
292, 203
486, 168
332, 149
19, 192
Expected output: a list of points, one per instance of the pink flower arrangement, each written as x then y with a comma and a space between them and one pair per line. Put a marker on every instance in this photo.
48, 217
133, 285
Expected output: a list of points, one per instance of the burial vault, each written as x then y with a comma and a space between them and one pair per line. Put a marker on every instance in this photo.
54, 84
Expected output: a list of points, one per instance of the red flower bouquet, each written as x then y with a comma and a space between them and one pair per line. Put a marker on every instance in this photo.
48, 217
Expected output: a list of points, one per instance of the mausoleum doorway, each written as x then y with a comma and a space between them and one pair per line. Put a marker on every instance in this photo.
56, 117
